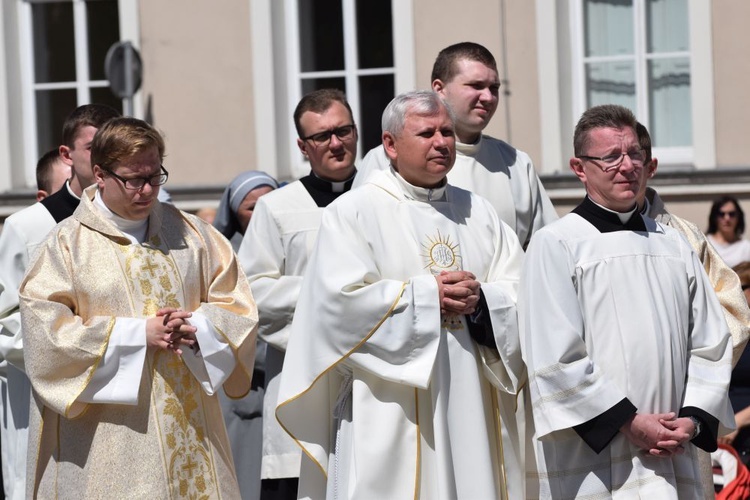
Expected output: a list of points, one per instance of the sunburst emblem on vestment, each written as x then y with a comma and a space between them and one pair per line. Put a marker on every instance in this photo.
440, 253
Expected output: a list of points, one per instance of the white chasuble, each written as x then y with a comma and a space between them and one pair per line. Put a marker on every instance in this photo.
387, 398
87, 279
607, 316
498, 172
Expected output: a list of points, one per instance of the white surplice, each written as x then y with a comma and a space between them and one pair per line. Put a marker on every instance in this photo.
496, 171
607, 316
274, 255
386, 398
22, 233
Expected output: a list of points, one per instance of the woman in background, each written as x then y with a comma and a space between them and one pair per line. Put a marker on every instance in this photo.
726, 223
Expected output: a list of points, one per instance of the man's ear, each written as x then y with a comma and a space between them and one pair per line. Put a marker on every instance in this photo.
41, 194
99, 176
576, 165
65, 155
438, 86
302, 145
653, 164
389, 146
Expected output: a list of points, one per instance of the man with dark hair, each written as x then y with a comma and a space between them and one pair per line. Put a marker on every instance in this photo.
274, 254
466, 77
627, 349
403, 366
51, 174
134, 315
22, 233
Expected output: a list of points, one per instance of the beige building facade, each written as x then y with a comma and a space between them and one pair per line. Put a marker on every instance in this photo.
221, 79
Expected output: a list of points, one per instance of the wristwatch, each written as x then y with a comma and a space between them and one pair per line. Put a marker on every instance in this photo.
697, 430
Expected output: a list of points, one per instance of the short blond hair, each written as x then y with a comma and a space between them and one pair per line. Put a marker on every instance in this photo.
123, 138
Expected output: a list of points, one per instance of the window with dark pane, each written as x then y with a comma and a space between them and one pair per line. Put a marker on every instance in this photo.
310, 84
321, 35
52, 107
374, 34
103, 30
375, 94
54, 42
103, 95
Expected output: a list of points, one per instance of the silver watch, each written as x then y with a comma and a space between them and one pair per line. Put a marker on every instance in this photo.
697, 430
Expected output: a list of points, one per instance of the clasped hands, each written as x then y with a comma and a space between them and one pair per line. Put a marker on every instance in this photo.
459, 292
662, 434
170, 330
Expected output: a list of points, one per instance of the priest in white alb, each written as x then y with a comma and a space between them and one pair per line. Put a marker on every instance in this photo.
627, 349
403, 362
134, 315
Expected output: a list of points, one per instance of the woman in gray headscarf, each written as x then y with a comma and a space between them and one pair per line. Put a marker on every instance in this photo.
244, 417
238, 201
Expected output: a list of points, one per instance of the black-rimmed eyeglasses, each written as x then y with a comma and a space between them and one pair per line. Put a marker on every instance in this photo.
614, 161
344, 133
136, 183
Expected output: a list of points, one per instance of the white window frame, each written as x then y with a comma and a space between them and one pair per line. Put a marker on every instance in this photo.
403, 68
702, 152
129, 30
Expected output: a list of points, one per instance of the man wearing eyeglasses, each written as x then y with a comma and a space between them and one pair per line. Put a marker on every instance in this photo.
275, 251
134, 315
627, 349
465, 76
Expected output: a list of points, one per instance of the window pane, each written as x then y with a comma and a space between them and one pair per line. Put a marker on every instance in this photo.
374, 34
52, 107
310, 84
104, 30
611, 83
669, 101
375, 93
608, 27
667, 25
54, 46
321, 35
105, 96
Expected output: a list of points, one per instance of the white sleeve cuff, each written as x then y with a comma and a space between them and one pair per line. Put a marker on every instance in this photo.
118, 376
214, 362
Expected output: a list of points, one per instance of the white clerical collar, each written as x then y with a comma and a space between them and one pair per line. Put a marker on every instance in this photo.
67, 186
336, 186
134, 230
624, 216
469, 149
420, 193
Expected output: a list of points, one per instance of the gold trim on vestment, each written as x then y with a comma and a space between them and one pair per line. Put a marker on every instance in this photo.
498, 421
325, 372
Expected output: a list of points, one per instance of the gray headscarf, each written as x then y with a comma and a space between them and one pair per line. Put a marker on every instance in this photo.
226, 215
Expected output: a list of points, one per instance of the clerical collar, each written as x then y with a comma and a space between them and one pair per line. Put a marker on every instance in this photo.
469, 149
134, 230
322, 191
646, 207
61, 204
606, 220
419, 193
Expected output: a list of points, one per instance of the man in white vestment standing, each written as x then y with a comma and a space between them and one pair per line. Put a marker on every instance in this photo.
275, 251
628, 353
22, 233
403, 362
465, 75
134, 314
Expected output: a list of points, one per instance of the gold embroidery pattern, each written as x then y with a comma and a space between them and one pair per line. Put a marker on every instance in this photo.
151, 274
